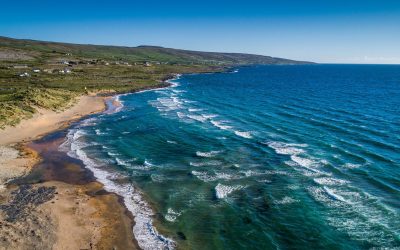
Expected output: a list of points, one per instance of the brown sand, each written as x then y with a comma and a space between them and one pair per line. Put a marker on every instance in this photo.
15, 159
46, 121
73, 219
81, 215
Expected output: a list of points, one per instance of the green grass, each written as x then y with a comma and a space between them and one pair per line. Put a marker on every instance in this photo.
20, 96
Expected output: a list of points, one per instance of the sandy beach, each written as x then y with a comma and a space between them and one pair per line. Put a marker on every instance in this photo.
45, 121
15, 158
52, 203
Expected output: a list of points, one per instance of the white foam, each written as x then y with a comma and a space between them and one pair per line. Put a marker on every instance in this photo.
276, 172
295, 150
208, 116
112, 154
330, 181
122, 162
304, 162
78, 134
166, 104
285, 149
194, 110
222, 191
244, 134
291, 163
249, 173
178, 91
332, 194
89, 122
206, 177
147, 163
220, 125
98, 132
171, 142
207, 154
145, 233
197, 118
352, 166
205, 163
285, 200
225, 176
171, 215
180, 115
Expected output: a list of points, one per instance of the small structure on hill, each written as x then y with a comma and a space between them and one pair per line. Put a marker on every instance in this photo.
65, 71
25, 74
20, 66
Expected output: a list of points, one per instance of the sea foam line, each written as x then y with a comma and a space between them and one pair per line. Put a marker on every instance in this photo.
222, 191
145, 233
244, 134
207, 154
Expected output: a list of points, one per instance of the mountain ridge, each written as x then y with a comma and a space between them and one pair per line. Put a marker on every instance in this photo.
146, 53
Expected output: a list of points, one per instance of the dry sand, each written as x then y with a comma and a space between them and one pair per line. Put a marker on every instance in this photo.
46, 121
16, 160
73, 219
74, 216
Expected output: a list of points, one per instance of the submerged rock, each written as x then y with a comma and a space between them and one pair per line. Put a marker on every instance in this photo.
181, 235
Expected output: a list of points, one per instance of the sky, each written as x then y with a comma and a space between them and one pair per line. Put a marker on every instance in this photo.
324, 31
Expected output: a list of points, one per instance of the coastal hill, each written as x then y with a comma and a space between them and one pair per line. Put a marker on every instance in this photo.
142, 53
50, 75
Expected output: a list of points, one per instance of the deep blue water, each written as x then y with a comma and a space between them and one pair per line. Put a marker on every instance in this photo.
270, 157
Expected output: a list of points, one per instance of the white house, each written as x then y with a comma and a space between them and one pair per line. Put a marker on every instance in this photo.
65, 71
26, 74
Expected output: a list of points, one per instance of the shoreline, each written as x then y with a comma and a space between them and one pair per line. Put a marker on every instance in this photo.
76, 215
16, 159
17, 152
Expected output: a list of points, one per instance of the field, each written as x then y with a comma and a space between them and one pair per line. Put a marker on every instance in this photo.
35, 74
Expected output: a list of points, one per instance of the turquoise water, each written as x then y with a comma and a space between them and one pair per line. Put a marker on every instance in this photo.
264, 158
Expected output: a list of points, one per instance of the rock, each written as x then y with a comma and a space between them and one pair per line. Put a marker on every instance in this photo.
181, 235
24, 199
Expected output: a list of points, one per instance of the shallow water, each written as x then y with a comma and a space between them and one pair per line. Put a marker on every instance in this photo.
268, 157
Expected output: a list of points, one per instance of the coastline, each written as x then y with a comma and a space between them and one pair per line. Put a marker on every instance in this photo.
16, 159
83, 213
56, 213
47, 121
74, 217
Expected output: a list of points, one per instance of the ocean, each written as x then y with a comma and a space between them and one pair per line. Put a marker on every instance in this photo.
261, 157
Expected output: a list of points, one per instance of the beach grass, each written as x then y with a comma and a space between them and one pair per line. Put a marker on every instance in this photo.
35, 74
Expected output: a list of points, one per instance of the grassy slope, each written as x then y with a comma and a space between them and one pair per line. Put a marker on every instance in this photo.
98, 69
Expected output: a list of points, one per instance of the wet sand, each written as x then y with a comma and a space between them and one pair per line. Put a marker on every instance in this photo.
68, 208
16, 159
49, 200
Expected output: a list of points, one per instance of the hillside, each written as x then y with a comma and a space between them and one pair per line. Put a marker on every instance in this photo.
142, 53
50, 75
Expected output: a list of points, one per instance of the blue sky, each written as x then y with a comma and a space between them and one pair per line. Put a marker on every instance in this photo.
335, 31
